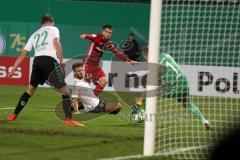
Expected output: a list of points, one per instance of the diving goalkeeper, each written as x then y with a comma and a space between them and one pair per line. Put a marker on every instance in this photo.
174, 83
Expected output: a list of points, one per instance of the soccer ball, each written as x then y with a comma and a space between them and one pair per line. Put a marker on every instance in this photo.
139, 116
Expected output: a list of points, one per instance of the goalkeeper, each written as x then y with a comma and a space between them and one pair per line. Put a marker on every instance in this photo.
173, 83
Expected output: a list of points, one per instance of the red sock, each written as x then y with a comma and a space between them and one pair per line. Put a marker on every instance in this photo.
99, 88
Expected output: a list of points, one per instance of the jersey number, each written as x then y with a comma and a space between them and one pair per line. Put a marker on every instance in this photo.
41, 39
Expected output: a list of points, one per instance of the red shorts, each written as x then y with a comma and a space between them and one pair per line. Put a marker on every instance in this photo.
93, 72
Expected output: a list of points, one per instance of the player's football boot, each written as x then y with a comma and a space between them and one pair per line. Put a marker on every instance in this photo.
207, 125
11, 117
70, 122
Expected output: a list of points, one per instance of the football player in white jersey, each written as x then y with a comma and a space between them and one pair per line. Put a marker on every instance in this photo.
83, 93
48, 51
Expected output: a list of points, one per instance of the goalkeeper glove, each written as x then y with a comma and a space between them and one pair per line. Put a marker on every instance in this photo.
139, 103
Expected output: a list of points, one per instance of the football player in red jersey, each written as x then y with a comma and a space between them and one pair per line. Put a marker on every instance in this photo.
91, 60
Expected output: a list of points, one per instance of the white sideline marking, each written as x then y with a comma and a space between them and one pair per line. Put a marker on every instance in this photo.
34, 109
180, 150
172, 152
43, 110
6, 108
124, 157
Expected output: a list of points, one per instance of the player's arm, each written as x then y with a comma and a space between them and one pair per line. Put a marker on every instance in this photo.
22, 56
75, 98
18, 62
57, 44
58, 48
75, 104
90, 37
120, 55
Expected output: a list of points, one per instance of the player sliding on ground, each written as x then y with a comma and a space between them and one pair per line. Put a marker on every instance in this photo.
100, 43
174, 83
47, 46
82, 92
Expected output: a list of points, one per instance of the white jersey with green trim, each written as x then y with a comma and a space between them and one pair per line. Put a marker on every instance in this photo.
43, 41
83, 91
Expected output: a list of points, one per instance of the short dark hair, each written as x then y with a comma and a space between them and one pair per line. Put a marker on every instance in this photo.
46, 18
107, 26
76, 65
132, 34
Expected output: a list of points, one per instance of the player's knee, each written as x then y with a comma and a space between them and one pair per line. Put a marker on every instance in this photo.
103, 81
116, 109
31, 90
99, 108
64, 90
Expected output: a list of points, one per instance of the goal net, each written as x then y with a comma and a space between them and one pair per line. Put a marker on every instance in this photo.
203, 36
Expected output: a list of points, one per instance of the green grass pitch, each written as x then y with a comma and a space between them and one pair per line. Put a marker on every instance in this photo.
39, 134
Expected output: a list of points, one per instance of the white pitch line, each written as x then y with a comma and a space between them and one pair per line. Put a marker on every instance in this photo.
6, 108
172, 152
34, 109
43, 110
180, 150
123, 157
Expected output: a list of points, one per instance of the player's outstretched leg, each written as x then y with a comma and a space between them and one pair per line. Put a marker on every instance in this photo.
66, 103
196, 112
113, 108
22, 102
102, 82
110, 108
186, 101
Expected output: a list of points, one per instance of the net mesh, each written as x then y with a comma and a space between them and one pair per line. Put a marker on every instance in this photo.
203, 37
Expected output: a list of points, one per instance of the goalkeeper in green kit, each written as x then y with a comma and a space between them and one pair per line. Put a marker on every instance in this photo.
174, 83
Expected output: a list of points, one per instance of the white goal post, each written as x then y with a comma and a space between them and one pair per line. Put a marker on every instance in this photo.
153, 57
203, 37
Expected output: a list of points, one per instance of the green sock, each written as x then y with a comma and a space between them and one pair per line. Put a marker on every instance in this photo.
195, 111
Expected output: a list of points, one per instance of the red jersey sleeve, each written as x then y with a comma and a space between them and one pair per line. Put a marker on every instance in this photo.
91, 37
118, 53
